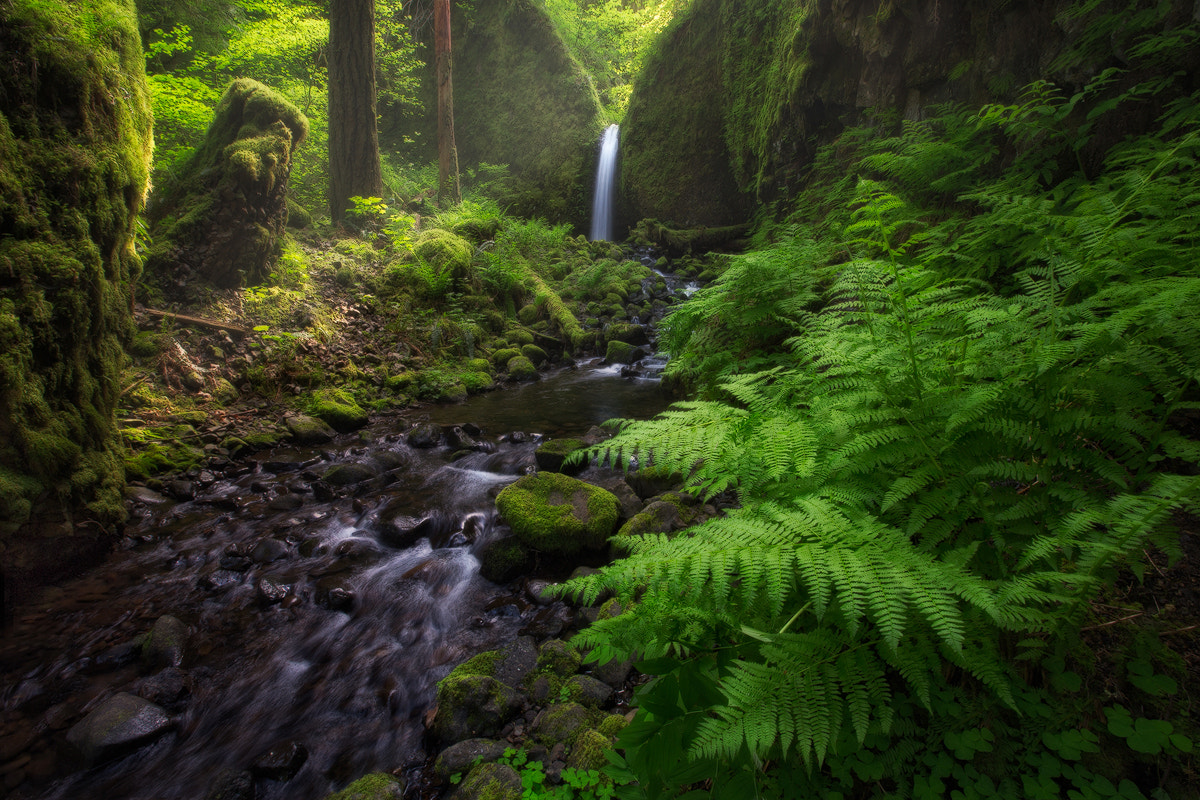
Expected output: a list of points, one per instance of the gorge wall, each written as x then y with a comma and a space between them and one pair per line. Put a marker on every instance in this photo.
75, 146
731, 106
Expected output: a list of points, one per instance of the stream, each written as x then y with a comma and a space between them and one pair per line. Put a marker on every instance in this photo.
318, 617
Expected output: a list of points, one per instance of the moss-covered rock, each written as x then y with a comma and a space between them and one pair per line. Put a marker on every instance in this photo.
535, 354
225, 220
559, 657
554, 513
376, 786
521, 368
503, 559
589, 751
490, 782
309, 430
445, 251
471, 706
551, 456
338, 409
561, 722
75, 144
501, 357
619, 352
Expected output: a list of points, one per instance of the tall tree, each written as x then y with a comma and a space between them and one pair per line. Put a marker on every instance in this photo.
354, 169
448, 187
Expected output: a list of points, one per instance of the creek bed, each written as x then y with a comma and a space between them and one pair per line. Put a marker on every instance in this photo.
317, 622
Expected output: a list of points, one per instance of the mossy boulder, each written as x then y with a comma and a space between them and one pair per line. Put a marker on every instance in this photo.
501, 357
559, 657
503, 559
75, 146
309, 430
589, 751
521, 368
376, 786
551, 456
338, 409
619, 352
555, 513
561, 722
535, 354
626, 332
445, 251
224, 222
490, 782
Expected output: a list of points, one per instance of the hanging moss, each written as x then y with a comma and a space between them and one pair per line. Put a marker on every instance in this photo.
75, 145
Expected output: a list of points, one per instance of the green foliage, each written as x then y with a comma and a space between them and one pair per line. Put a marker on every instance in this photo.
934, 474
576, 784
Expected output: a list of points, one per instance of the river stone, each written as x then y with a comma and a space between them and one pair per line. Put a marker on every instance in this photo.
309, 430
121, 724
591, 692
376, 786
631, 504
167, 642
142, 494
517, 659
425, 435
490, 782
555, 513
470, 706
281, 762
561, 722
170, 688
232, 785
285, 502
267, 550
552, 454
349, 474
462, 756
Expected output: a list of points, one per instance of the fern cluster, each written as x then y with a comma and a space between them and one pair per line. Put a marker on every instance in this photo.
946, 426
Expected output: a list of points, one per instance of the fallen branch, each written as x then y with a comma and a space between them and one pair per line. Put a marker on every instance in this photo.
201, 321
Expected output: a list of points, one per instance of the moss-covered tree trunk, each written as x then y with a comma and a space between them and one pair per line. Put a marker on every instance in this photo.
448, 187
354, 169
75, 144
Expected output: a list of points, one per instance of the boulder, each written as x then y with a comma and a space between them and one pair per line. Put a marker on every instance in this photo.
167, 642
309, 430
338, 409
555, 513
120, 725
471, 706
561, 722
460, 757
490, 782
521, 368
552, 454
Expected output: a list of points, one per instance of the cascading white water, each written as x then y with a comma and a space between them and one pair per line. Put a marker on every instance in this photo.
606, 179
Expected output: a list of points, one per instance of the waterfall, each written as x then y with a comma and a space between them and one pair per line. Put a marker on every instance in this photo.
606, 179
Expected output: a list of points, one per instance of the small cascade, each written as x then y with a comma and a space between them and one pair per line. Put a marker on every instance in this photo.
606, 180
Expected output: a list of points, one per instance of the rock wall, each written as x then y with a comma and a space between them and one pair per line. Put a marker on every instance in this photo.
224, 223
75, 146
750, 88
521, 99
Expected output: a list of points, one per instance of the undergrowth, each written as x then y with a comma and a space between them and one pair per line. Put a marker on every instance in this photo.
952, 406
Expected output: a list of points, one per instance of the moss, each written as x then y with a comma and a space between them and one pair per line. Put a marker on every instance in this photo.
501, 357
535, 354
562, 722
619, 352
476, 382
161, 458
478, 365
445, 252
503, 560
555, 513
337, 408
589, 750
491, 782
559, 657
75, 147
521, 368
376, 786
519, 337
611, 725
481, 664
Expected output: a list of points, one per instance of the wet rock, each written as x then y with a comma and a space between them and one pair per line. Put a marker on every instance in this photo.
559, 657
502, 559
561, 722
614, 672
120, 725
117, 656
490, 782
471, 706
458, 439
169, 688
554, 513
589, 691
268, 550
425, 435
167, 642
551, 456
402, 531
270, 592
350, 474
535, 590
232, 785
142, 494
376, 786
281, 762
219, 579
285, 502
549, 622
235, 559
181, 490
309, 430
515, 661
460, 757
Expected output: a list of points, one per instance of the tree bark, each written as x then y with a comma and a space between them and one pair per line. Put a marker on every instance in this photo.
448, 186
354, 169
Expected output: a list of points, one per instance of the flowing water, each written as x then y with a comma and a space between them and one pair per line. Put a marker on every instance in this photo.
320, 618
606, 181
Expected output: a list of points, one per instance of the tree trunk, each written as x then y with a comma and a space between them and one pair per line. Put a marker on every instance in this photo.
448, 188
354, 169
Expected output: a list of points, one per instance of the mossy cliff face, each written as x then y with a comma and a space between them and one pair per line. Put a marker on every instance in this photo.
520, 99
225, 222
75, 146
738, 93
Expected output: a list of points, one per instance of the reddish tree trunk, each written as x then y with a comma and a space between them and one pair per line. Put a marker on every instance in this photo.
448, 188
354, 169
